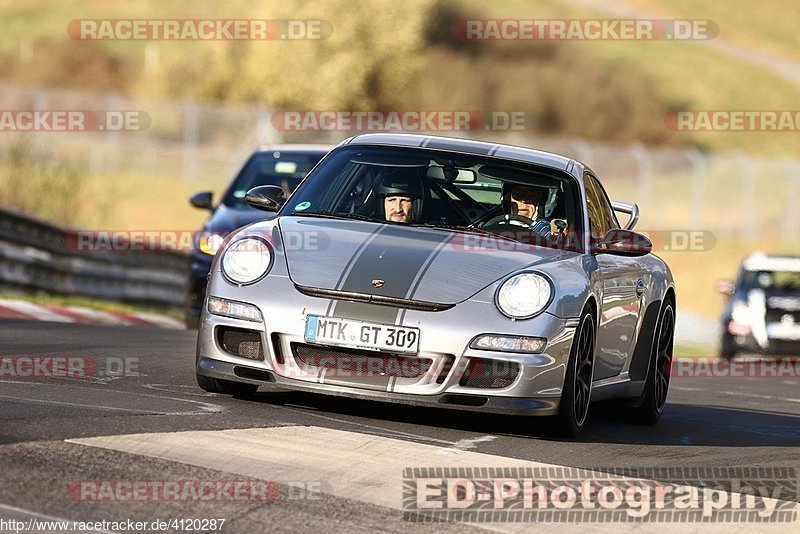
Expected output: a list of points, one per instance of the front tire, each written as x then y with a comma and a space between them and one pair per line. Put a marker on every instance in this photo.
727, 349
577, 392
654, 397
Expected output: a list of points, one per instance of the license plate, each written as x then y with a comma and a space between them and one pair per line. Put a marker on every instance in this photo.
361, 335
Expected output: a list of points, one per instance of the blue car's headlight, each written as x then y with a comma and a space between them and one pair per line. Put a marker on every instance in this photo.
247, 260
524, 295
209, 242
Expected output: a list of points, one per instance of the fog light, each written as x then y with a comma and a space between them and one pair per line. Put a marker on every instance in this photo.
231, 308
509, 343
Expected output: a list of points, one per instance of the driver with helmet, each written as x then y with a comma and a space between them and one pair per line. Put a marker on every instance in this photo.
402, 194
523, 203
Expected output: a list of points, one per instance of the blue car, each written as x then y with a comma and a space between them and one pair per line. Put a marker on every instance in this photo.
280, 165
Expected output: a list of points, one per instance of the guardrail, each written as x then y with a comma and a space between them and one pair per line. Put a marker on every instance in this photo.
35, 256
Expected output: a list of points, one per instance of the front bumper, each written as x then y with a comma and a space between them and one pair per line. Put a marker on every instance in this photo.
471, 402
772, 347
442, 379
199, 267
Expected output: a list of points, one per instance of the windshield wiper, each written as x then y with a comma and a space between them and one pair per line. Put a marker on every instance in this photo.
465, 229
335, 215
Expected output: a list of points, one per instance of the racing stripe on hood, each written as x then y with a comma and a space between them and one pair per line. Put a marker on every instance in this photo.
397, 255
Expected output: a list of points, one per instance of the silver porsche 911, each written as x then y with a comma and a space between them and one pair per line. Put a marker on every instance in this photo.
448, 273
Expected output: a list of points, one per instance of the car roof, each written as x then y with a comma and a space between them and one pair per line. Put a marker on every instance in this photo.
290, 147
467, 146
763, 262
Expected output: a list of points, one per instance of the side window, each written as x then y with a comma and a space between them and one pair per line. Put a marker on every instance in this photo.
601, 215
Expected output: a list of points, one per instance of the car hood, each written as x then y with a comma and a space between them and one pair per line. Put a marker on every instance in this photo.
404, 262
226, 219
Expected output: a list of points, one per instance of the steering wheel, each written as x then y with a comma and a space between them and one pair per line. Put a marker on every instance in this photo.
509, 219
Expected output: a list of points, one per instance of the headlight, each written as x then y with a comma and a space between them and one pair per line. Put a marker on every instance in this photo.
523, 295
246, 260
742, 313
209, 242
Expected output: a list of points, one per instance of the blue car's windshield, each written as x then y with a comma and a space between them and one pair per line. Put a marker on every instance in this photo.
285, 169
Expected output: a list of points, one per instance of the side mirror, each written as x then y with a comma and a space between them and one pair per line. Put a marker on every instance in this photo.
266, 197
621, 242
202, 200
725, 287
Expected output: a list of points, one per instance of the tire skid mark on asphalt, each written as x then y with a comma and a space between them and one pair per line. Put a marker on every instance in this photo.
14, 512
203, 408
362, 467
73, 404
167, 388
746, 427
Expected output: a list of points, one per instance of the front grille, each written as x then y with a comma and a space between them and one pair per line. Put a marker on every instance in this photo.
447, 366
354, 363
489, 374
240, 342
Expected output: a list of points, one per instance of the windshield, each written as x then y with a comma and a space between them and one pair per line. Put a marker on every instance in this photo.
282, 168
788, 281
446, 190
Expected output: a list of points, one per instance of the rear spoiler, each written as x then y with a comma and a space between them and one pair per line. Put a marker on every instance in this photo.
629, 209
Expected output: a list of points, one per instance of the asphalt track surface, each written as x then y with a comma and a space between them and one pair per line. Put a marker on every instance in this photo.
709, 422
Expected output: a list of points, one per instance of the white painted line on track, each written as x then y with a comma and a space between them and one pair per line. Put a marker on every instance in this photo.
203, 408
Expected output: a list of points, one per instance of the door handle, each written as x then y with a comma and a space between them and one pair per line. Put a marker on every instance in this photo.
640, 288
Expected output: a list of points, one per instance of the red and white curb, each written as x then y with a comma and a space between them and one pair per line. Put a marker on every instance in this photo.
20, 309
